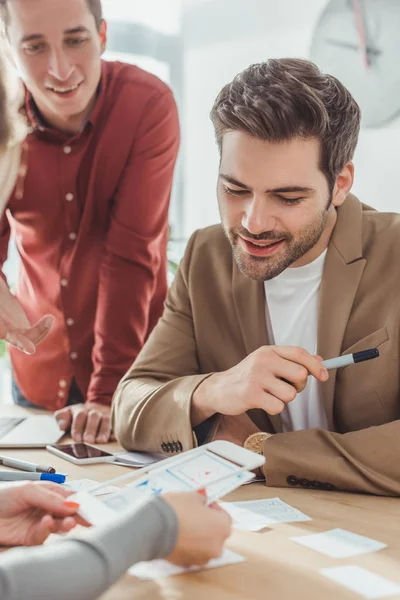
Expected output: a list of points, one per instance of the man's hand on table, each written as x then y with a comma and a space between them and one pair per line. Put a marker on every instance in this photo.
30, 512
89, 422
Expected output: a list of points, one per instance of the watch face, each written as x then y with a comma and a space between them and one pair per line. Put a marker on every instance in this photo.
358, 41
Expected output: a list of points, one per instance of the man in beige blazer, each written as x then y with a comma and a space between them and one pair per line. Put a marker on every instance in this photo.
298, 260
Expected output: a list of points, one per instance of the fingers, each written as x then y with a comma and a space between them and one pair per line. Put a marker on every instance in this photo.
26, 340
39, 532
47, 525
20, 341
302, 358
92, 425
56, 488
52, 502
38, 332
104, 432
64, 418
79, 419
285, 391
64, 525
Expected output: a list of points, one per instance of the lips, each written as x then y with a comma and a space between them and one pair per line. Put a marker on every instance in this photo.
64, 90
261, 248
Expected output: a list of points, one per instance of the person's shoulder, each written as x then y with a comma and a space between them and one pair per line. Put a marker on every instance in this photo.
210, 247
381, 235
133, 81
376, 223
211, 240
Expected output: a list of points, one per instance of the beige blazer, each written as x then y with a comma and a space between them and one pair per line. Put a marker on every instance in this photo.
215, 317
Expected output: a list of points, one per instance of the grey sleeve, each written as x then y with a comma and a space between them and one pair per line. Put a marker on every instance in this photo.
83, 568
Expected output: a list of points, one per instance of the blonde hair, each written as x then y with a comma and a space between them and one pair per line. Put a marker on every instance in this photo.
12, 125
13, 128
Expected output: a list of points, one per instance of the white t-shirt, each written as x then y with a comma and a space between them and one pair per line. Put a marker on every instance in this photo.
292, 300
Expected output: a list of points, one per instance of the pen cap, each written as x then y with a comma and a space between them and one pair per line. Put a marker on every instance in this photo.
54, 477
365, 355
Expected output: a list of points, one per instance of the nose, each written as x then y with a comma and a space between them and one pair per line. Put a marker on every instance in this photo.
258, 217
60, 66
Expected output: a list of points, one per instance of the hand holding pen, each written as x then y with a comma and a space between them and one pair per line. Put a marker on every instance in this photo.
268, 379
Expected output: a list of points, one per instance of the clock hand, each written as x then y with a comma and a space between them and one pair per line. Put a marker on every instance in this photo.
370, 49
360, 26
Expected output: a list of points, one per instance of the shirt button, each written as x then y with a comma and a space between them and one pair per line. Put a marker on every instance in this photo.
72, 236
69, 197
64, 282
61, 394
70, 322
67, 149
74, 355
63, 383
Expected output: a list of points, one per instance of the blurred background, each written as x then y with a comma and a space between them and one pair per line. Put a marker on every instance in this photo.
197, 46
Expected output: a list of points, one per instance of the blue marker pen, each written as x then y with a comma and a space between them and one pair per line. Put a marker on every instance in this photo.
10, 476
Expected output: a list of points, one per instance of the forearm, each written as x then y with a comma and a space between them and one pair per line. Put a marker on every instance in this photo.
142, 405
84, 568
359, 461
204, 401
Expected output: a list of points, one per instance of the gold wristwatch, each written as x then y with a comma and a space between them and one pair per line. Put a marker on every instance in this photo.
255, 442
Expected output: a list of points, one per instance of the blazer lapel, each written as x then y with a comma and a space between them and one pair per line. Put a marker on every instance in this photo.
250, 305
343, 269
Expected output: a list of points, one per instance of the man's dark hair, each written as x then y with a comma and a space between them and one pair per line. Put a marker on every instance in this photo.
283, 99
93, 5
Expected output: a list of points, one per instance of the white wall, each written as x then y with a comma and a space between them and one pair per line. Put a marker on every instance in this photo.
251, 31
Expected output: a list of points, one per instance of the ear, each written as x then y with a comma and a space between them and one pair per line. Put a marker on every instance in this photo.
343, 184
103, 35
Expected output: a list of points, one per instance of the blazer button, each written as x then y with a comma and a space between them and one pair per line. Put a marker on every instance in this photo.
317, 485
329, 487
292, 480
305, 483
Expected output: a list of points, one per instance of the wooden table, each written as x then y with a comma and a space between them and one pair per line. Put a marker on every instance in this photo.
276, 567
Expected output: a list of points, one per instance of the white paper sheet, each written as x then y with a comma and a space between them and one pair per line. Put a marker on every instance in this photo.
156, 569
254, 515
362, 582
339, 543
245, 519
81, 485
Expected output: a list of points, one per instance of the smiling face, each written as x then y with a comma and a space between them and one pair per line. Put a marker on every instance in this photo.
57, 48
275, 204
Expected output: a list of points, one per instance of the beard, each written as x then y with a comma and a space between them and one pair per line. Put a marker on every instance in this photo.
267, 267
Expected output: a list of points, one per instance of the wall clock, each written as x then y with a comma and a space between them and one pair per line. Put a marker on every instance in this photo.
358, 41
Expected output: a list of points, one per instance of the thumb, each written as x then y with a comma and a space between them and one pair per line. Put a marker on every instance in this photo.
40, 330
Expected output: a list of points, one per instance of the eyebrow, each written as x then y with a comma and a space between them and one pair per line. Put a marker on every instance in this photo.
282, 190
39, 36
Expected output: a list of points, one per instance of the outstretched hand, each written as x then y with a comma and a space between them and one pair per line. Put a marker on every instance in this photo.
14, 324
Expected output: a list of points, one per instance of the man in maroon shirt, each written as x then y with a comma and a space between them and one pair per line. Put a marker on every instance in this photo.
90, 216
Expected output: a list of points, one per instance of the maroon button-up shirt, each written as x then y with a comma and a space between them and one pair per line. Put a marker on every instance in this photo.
91, 228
